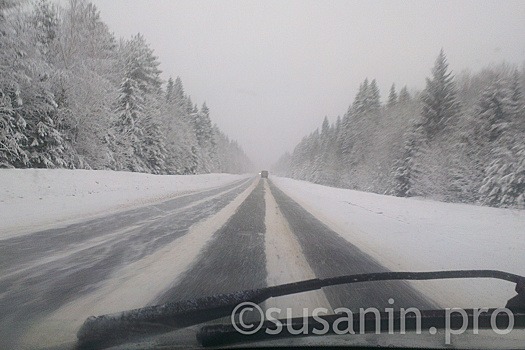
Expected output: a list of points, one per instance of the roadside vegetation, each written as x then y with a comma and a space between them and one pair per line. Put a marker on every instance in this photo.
461, 139
74, 96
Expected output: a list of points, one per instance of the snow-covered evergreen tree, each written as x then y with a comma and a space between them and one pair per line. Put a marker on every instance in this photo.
494, 111
504, 182
154, 149
136, 110
374, 97
404, 96
26, 86
12, 137
516, 105
440, 105
127, 133
405, 171
345, 140
231, 157
205, 139
203, 127
179, 98
181, 142
361, 103
71, 97
169, 90
392, 97
45, 20
12, 124
472, 155
325, 127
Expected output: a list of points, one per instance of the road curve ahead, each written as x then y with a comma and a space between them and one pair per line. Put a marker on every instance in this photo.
245, 235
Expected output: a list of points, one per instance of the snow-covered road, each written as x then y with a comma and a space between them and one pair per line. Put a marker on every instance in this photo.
244, 233
416, 234
34, 199
93, 260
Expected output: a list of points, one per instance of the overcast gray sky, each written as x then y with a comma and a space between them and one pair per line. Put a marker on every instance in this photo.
271, 70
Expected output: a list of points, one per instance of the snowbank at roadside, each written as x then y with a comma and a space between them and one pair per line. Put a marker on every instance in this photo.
407, 234
32, 199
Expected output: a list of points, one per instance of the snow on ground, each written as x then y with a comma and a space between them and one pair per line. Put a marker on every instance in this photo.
134, 285
408, 234
33, 199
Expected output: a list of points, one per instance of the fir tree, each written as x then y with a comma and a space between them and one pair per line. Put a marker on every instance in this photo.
12, 136
179, 98
504, 184
128, 131
440, 104
169, 91
392, 97
325, 127
493, 110
203, 127
154, 149
69, 96
360, 105
30, 88
135, 128
405, 169
373, 102
12, 71
45, 20
516, 106
404, 96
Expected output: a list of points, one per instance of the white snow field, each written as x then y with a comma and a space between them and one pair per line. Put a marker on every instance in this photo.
32, 199
413, 234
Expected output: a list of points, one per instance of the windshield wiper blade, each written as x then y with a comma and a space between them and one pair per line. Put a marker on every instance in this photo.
116, 328
226, 334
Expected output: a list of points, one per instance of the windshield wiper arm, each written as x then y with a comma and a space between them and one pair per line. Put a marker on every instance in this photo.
226, 334
116, 328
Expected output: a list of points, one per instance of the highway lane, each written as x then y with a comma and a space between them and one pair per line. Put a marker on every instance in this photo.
266, 239
21, 250
236, 259
42, 271
330, 255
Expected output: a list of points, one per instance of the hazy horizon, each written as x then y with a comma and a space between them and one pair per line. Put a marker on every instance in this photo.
270, 71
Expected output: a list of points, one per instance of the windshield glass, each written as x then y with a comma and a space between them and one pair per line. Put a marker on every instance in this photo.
155, 152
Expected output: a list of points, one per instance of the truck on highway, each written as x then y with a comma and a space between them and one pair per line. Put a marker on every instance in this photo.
264, 174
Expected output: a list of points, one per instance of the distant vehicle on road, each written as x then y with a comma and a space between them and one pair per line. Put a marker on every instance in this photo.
264, 174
